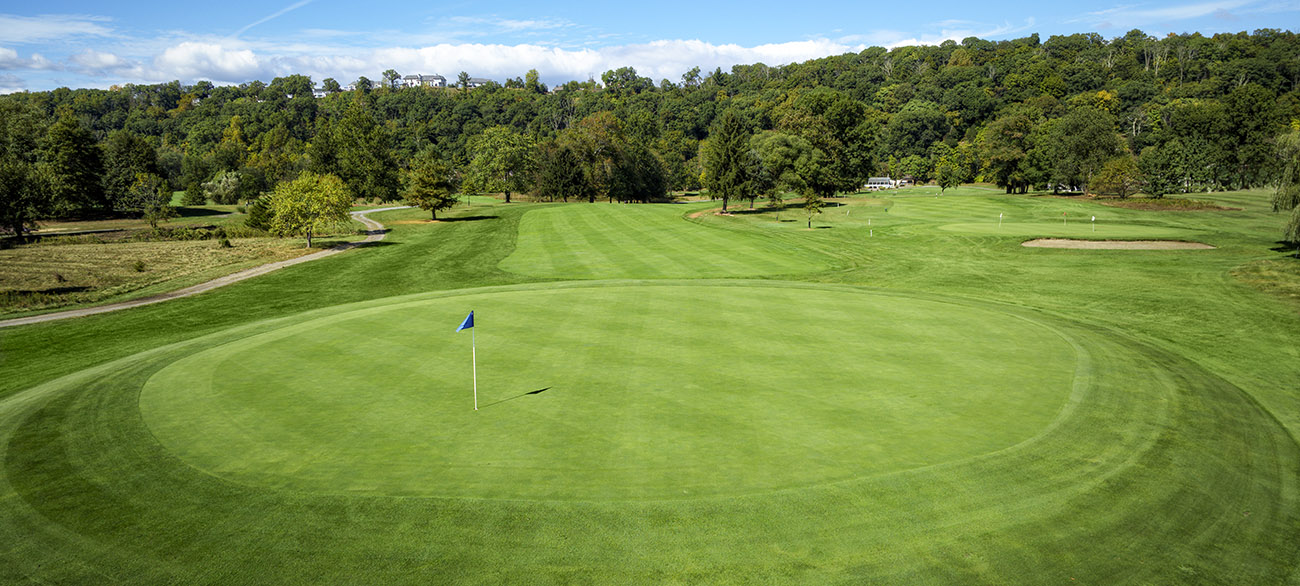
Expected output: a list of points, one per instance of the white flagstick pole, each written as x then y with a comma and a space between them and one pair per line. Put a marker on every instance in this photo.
473, 354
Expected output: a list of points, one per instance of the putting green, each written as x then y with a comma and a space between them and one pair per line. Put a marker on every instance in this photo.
651, 392
1074, 229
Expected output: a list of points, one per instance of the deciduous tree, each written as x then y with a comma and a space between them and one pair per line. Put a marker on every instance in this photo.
75, 169
1119, 176
501, 161
308, 205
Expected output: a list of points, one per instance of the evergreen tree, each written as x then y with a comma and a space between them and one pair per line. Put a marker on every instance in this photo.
727, 170
429, 184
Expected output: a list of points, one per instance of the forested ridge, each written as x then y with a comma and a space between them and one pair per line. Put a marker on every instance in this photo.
1176, 114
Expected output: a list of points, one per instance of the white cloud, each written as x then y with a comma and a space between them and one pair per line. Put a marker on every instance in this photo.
196, 60
9, 60
95, 61
50, 27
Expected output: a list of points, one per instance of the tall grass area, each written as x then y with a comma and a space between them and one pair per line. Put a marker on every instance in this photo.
1149, 433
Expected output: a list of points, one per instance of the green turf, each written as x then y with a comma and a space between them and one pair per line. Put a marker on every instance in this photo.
627, 412
646, 241
1169, 459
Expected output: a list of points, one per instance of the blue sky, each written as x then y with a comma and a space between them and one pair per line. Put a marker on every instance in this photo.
79, 43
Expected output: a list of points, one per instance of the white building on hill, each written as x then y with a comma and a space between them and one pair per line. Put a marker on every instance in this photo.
418, 80
876, 183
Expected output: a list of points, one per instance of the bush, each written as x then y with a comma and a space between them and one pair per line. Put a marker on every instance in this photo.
194, 195
259, 215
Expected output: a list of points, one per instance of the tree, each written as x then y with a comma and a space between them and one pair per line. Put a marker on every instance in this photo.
24, 184
75, 168
726, 168
812, 204
1157, 167
429, 184
309, 204
1004, 146
947, 174
364, 85
1119, 176
560, 173
391, 78
533, 83
230, 153
782, 157
363, 153
126, 155
914, 129
150, 196
331, 86
1081, 142
224, 188
462, 80
1287, 196
24, 195
502, 161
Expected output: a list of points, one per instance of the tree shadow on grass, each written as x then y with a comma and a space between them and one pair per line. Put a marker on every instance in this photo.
185, 212
537, 392
1285, 247
468, 218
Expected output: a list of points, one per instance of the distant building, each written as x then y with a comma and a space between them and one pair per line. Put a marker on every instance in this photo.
877, 183
418, 80
319, 93
478, 81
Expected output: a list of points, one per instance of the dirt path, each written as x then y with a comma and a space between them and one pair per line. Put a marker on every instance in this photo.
374, 233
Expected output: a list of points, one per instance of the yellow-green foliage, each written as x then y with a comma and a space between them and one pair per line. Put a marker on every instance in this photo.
309, 204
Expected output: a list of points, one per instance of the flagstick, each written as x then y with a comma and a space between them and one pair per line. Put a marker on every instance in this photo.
473, 355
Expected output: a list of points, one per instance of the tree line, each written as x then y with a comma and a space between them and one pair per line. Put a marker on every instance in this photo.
1177, 114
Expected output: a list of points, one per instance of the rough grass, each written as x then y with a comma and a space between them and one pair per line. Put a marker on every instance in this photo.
1165, 203
55, 275
1172, 461
1277, 277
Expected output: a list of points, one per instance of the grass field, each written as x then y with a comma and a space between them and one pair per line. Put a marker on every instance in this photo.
900, 395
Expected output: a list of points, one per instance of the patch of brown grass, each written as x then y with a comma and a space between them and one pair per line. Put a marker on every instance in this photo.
41, 276
1165, 203
1277, 277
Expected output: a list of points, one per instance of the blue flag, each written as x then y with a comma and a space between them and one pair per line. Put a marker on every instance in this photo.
468, 323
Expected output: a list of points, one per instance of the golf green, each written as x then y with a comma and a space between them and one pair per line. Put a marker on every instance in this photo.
623, 391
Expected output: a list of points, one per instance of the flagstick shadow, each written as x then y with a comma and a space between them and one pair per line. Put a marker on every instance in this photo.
537, 392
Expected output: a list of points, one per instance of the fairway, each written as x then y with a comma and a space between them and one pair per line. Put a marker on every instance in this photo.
598, 241
836, 385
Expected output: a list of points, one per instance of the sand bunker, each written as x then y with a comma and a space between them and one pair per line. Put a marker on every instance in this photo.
1116, 244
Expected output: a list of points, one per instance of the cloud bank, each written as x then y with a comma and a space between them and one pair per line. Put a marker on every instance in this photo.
233, 61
